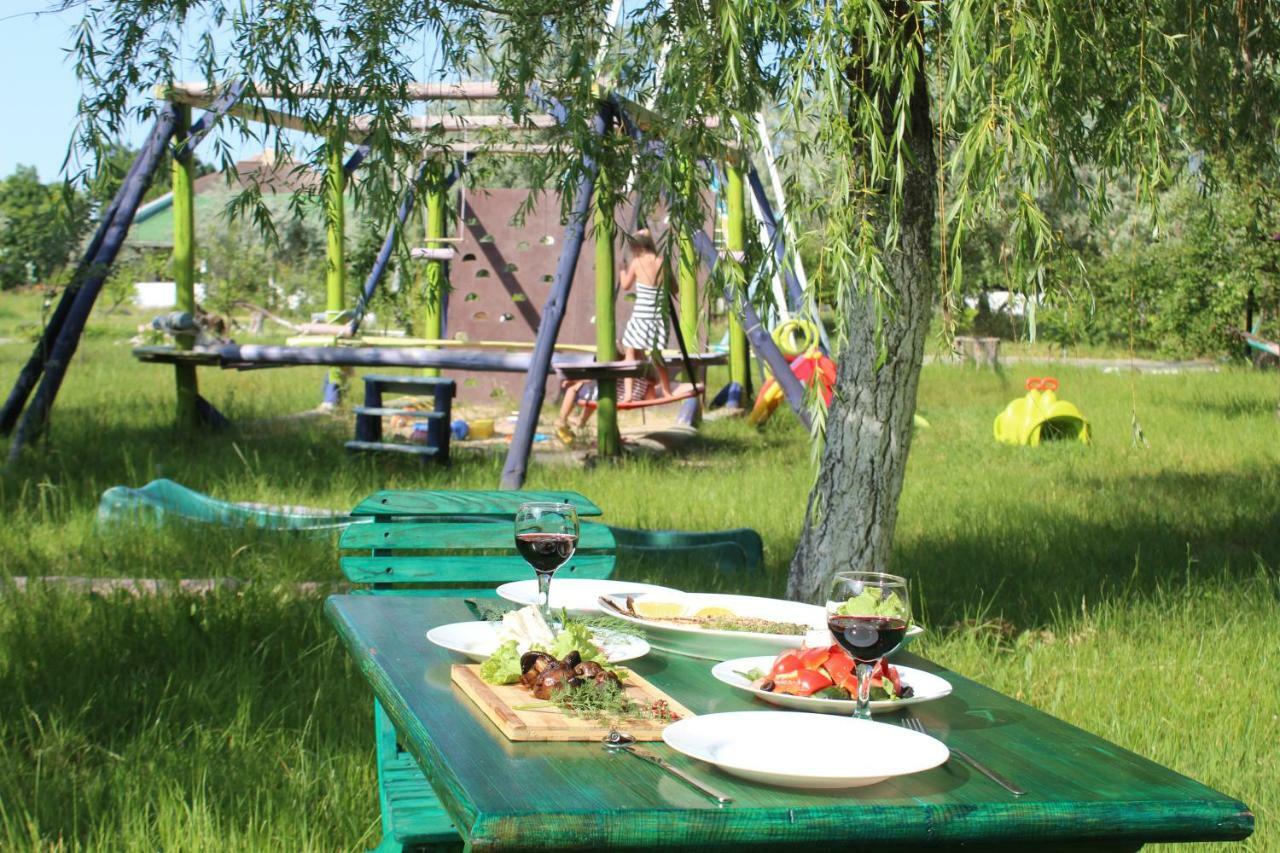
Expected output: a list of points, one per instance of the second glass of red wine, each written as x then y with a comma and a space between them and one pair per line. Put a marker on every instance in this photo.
867, 614
546, 536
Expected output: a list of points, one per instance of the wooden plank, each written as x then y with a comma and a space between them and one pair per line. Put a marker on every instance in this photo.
196, 93
480, 502
172, 355
504, 706
489, 534
403, 382
385, 412
465, 569
1086, 793
228, 355
391, 447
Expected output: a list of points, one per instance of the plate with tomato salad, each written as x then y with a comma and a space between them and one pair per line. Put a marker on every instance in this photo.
822, 679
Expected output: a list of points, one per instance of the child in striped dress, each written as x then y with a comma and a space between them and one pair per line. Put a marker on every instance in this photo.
646, 332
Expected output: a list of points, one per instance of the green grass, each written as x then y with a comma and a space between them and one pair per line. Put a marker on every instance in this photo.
1132, 592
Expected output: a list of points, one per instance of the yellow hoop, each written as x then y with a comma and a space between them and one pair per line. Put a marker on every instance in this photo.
795, 336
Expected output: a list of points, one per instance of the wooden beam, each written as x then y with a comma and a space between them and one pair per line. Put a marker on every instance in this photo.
452, 146
466, 91
458, 123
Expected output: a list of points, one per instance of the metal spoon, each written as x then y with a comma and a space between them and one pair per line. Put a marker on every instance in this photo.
617, 741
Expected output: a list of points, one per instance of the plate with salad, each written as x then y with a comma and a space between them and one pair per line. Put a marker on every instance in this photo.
525, 630
821, 679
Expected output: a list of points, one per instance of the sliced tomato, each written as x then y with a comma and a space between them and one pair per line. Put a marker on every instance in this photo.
801, 682
813, 658
786, 662
839, 667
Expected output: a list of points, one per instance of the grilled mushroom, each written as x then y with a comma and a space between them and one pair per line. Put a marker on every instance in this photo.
594, 672
532, 664
552, 678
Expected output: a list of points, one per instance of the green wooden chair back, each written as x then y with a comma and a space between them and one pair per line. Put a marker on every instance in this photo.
450, 540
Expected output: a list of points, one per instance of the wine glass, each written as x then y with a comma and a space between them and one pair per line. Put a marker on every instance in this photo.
868, 614
546, 536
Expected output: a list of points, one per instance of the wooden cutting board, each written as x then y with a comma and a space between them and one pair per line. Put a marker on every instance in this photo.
499, 702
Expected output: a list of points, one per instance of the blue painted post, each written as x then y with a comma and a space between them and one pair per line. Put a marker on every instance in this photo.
763, 344
30, 373
795, 295
64, 347
388, 246
513, 472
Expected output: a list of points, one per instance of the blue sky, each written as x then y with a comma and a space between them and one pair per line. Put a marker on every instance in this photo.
38, 99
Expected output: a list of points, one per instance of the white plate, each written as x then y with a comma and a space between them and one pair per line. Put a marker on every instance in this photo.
926, 685
722, 645
478, 640
781, 748
578, 596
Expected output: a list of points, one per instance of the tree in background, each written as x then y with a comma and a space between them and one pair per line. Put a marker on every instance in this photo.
913, 116
40, 226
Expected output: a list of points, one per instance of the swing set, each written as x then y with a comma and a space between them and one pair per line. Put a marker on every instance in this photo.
174, 130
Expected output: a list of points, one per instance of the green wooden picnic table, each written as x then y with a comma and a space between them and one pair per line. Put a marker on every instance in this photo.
1083, 792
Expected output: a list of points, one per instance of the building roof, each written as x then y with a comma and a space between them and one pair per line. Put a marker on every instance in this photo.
153, 224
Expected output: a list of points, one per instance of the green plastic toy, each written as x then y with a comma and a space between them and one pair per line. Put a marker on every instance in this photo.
1040, 416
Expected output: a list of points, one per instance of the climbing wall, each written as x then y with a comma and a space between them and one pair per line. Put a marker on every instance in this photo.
501, 277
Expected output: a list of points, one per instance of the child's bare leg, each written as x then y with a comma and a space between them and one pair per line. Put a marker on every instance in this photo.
629, 383
664, 378
570, 400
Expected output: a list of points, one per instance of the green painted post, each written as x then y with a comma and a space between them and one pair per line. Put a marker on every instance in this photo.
736, 242
184, 267
436, 279
687, 278
335, 219
607, 441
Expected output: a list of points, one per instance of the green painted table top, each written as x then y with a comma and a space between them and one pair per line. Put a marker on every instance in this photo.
1083, 792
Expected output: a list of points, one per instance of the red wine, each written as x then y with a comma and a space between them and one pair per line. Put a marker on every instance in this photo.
546, 552
867, 638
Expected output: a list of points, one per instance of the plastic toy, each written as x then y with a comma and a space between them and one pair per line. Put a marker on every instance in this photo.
810, 367
1040, 416
795, 336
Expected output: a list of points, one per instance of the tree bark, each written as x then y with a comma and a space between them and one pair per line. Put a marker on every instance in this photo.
853, 508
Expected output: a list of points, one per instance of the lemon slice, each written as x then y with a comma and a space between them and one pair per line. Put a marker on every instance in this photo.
707, 612
659, 609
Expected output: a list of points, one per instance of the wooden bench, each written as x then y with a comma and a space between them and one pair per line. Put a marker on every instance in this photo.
444, 543
369, 416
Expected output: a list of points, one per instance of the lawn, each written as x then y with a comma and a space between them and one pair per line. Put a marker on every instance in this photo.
1133, 592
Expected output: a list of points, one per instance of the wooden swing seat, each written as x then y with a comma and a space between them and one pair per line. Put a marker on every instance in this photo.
625, 405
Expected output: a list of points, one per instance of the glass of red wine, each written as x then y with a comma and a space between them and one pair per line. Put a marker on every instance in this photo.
867, 614
546, 536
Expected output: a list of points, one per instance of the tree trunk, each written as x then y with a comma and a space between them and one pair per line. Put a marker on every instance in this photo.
853, 508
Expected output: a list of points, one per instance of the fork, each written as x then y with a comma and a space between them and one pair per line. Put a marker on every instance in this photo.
916, 726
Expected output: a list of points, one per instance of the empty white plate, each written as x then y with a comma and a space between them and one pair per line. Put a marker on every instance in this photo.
576, 595
781, 748
478, 640
926, 687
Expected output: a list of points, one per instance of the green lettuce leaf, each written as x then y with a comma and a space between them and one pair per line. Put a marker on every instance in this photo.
503, 666
576, 635
869, 603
